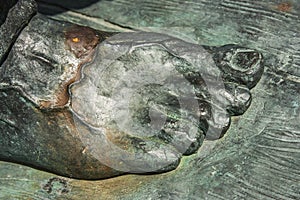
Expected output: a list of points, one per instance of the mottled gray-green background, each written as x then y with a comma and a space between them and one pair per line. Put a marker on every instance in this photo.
258, 158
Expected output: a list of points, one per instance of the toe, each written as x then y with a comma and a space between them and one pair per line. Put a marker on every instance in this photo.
238, 98
239, 64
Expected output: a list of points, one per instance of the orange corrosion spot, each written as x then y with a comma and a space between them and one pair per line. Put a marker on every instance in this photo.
284, 7
76, 39
81, 40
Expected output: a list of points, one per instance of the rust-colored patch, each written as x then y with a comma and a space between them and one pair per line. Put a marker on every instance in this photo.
284, 7
81, 40
62, 94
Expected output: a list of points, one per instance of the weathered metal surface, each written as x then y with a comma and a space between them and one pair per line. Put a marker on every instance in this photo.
86, 104
259, 156
35, 125
13, 17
